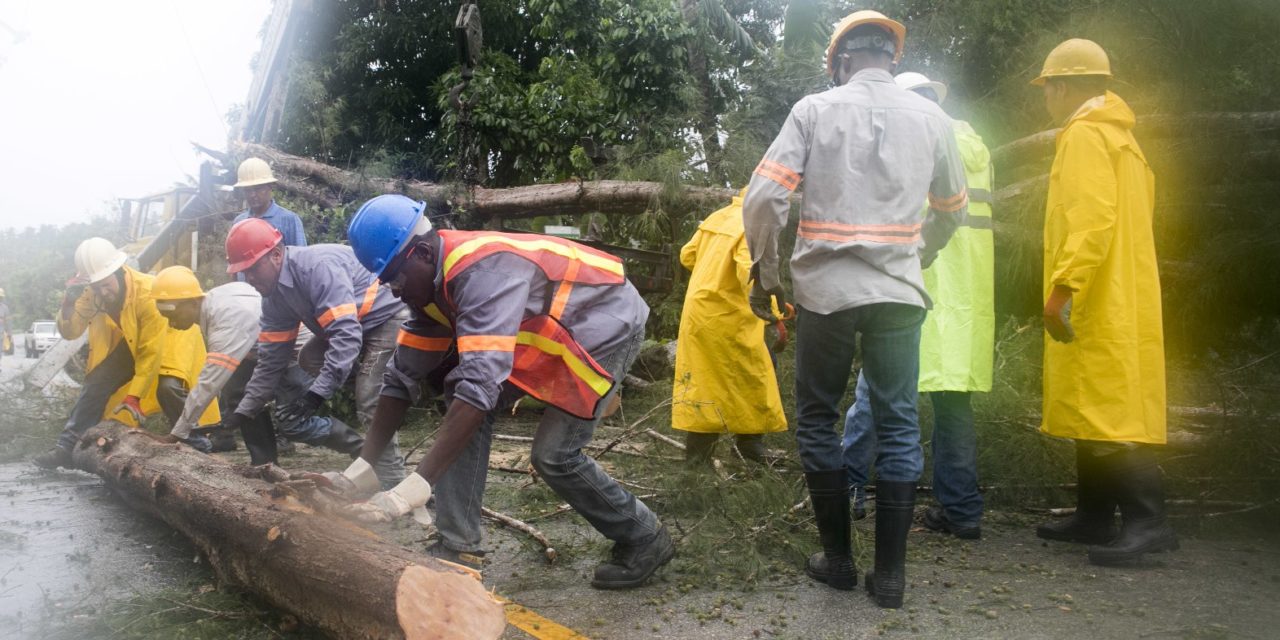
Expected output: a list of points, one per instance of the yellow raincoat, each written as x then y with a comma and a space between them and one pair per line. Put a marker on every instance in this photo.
156, 348
957, 339
724, 381
1108, 384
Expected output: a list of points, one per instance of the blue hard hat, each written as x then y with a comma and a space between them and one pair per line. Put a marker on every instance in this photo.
382, 227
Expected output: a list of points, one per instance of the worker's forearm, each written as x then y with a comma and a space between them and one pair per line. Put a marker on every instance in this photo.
387, 419
460, 424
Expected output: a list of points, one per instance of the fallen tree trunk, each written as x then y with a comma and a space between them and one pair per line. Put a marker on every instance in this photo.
332, 574
327, 185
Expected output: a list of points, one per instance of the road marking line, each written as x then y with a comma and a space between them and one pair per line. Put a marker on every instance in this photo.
524, 619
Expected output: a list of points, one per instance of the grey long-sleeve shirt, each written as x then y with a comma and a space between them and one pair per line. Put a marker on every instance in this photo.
491, 298
229, 319
324, 287
869, 153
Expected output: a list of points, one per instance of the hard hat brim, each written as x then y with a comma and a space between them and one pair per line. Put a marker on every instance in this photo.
1039, 81
237, 267
255, 182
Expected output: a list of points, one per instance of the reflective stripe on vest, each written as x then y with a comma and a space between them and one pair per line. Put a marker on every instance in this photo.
552, 367
547, 363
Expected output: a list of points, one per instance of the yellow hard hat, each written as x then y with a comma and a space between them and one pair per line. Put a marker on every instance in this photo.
97, 258
857, 19
176, 283
1, 292
1075, 57
253, 172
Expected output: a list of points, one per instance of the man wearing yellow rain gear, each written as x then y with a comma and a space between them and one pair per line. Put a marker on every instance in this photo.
957, 342
724, 380
1104, 383
113, 303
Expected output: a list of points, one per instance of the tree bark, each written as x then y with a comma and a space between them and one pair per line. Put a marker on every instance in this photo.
332, 574
326, 184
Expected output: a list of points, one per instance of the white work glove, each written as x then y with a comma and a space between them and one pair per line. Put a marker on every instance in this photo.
411, 495
358, 480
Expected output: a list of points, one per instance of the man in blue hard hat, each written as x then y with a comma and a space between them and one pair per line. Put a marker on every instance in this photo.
496, 316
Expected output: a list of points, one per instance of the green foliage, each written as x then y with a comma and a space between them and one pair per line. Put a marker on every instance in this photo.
35, 264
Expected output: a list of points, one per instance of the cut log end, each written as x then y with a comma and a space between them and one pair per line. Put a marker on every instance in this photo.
426, 612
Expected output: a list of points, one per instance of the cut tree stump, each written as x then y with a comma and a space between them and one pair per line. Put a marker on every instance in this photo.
331, 573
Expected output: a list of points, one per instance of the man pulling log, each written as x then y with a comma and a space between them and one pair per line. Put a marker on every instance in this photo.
524, 314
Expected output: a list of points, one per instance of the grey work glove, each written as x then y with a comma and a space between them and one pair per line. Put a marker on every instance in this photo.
761, 299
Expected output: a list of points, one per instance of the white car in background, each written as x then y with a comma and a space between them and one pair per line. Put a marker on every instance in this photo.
42, 335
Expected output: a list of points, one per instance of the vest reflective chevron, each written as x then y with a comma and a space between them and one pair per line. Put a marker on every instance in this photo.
548, 363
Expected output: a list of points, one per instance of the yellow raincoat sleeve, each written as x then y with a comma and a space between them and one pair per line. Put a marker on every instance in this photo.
689, 252
75, 326
152, 328
1088, 209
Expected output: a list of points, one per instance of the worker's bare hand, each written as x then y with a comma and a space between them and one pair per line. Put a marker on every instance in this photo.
1057, 315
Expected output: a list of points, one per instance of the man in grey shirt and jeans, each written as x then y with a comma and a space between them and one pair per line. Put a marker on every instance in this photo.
868, 153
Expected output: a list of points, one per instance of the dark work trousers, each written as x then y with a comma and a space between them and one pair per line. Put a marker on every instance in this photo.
115, 371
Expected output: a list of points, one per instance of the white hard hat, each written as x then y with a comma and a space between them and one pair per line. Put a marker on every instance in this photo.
253, 172
97, 258
911, 80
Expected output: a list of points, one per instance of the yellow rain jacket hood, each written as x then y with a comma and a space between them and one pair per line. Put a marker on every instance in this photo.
724, 380
957, 339
1109, 383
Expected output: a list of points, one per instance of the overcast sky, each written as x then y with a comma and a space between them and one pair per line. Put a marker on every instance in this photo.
102, 99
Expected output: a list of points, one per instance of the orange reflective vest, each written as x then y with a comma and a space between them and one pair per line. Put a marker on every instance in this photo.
548, 362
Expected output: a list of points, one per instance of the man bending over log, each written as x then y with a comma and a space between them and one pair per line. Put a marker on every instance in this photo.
353, 319
229, 317
525, 314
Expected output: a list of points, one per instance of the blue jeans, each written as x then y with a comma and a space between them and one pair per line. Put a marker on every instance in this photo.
825, 348
558, 458
115, 371
954, 449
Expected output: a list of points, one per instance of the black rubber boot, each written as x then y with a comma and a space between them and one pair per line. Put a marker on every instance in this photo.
1094, 519
832, 566
698, 448
1143, 528
260, 439
895, 507
751, 447
343, 438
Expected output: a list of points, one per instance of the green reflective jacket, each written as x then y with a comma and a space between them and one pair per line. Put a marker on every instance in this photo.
957, 339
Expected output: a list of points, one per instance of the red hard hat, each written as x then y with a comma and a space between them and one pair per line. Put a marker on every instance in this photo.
248, 241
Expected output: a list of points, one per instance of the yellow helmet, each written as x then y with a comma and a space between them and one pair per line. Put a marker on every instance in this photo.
176, 283
857, 19
253, 172
1075, 57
